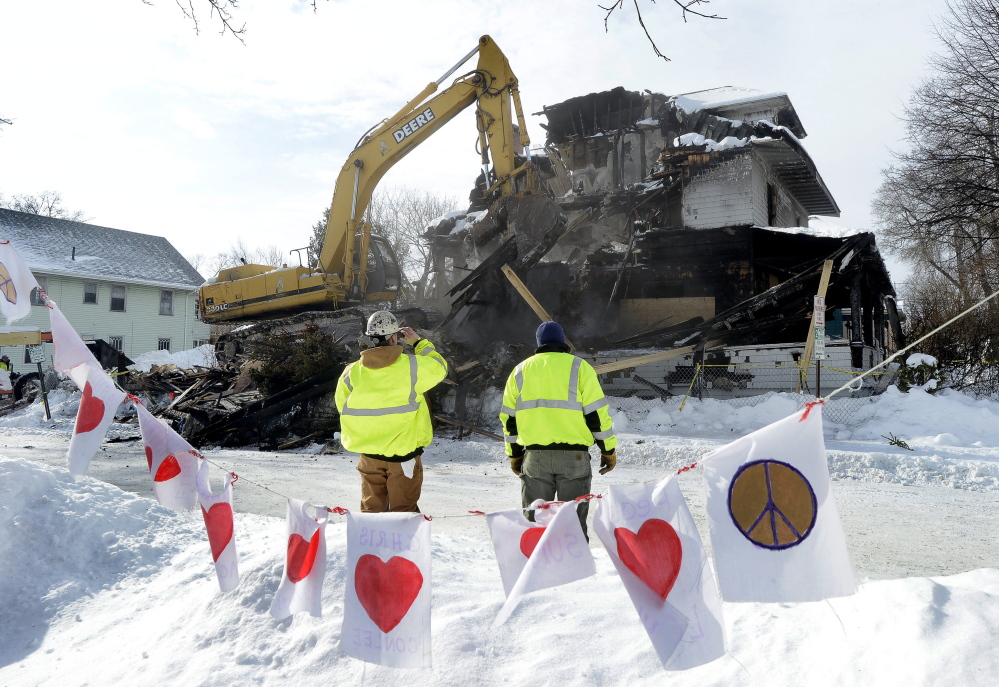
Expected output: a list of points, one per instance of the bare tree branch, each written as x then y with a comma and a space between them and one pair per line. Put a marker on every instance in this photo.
225, 9
685, 9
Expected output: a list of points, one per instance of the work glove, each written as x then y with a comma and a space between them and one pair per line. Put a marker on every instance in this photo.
517, 464
607, 462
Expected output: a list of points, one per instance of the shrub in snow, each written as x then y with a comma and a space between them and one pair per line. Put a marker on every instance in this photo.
920, 371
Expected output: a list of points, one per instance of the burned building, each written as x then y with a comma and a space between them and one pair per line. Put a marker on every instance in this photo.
687, 216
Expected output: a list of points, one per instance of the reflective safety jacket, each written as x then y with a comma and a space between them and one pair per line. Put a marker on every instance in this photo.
553, 400
380, 398
4, 366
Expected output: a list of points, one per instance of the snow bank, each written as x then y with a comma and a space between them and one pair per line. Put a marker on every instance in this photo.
102, 587
61, 541
951, 434
202, 356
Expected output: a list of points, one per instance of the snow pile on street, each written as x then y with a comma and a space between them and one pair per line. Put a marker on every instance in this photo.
947, 418
63, 403
951, 435
89, 573
202, 356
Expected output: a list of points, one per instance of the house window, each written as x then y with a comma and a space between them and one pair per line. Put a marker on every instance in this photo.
90, 292
117, 343
88, 337
163, 344
117, 298
43, 284
166, 302
27, 356
200, 342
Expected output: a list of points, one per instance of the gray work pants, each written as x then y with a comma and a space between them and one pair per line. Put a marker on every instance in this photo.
556, 475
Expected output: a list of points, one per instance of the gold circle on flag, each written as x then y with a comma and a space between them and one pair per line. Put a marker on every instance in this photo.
772, 504
7, 285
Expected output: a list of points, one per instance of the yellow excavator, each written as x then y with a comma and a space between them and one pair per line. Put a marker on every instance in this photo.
356, 266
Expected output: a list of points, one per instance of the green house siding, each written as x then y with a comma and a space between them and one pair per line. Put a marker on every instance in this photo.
141, 326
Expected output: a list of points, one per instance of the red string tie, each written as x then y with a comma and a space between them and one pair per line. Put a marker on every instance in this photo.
686, 468
427, 517
135, 399
338, 510
476, 512
588, 497
235, 477
808, 409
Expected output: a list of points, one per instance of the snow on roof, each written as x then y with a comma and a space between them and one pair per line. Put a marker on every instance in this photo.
821, 227
47, 244
725, 96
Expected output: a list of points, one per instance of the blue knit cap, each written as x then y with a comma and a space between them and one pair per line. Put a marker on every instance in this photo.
549, 333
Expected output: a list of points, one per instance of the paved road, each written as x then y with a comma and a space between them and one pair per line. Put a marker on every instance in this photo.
892, 531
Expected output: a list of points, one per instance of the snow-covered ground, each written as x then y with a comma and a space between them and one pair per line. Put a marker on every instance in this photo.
100, 586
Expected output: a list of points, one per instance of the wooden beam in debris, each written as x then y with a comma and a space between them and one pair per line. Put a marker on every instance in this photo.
254, 413
652, 358
526, 294
470, 428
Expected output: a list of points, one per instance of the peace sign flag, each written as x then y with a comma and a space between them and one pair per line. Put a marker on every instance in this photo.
651, 538
16, 283
775, 528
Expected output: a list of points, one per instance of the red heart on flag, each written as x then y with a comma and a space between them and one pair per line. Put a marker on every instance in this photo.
168, 469
529, 540
218, 522
387, 590
149, 457
301, 556
654, 554
91, 411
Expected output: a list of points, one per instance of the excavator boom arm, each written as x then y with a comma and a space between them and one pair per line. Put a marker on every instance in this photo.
492, 85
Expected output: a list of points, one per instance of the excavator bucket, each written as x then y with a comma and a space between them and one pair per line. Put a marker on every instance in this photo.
533, 221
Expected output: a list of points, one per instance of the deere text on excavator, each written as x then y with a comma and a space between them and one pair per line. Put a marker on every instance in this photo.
356, 266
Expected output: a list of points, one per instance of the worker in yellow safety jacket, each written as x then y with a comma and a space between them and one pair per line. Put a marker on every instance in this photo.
553, 411
5, 363
384, 417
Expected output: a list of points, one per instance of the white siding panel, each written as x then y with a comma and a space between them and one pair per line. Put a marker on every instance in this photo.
721, 196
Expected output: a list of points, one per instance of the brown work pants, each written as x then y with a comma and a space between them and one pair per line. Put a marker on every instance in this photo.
385, 487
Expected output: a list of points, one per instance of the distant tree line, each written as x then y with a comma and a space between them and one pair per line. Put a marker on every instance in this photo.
46, 203
938, 205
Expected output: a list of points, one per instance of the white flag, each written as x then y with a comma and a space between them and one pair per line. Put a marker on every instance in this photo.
775, 529
173, 463
16, 283
217, 512
560, 555
386, 615
98, 406
514, 540
301, 587
651, 538
70, 351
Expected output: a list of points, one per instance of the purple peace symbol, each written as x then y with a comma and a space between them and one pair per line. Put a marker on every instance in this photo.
772, 504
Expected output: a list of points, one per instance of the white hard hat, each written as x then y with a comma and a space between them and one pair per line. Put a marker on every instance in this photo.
383, 324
